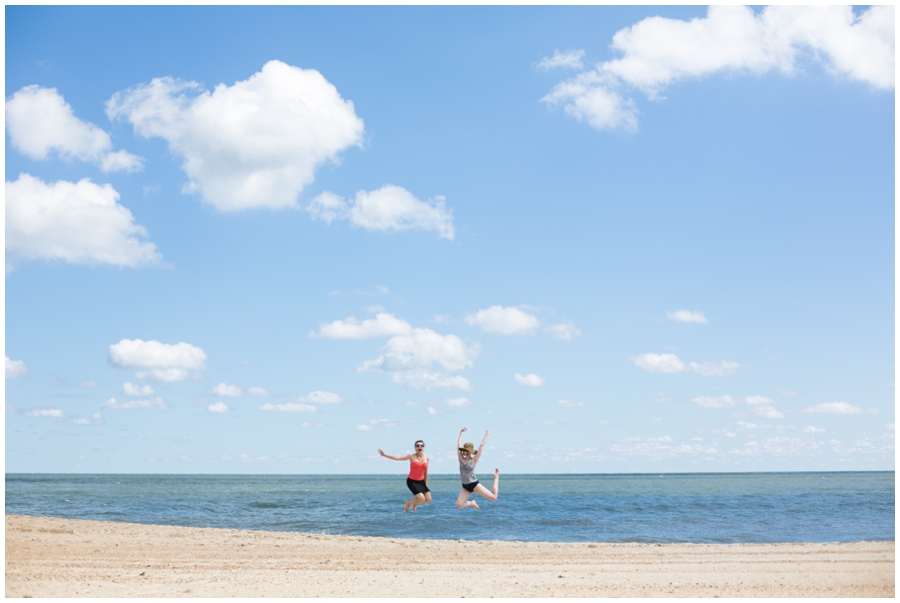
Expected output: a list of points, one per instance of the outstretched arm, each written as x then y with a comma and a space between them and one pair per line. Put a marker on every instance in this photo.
481, 446
392, 457
459, 444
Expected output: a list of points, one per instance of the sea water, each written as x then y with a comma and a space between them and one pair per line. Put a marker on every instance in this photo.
701, 507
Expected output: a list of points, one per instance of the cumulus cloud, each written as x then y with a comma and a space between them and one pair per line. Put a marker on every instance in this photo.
658, 363
150, 404
506, 321
224, 389
409, 358
50, 413
167, 362
457, 402
687, 316
714, 369
569, 404
40, 122
129, 389
289, 407
529, 380
257, 143
811, 429
376, 423
96, 419
564, 331
383, 325
319, 397
762, 407
670, 363
835, 408
76, 222
258, 391
710, 402
164, 375
570, 59
15, 368
217, 407
656, 52
387, 208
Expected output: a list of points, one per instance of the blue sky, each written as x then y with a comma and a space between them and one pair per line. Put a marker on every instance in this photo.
274, 240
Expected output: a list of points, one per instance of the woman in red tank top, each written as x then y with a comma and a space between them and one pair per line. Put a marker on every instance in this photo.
417, 482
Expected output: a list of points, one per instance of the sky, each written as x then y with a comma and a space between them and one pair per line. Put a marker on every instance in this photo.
621, 239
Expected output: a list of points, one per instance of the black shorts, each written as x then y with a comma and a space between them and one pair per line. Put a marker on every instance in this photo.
417, 486
471, 487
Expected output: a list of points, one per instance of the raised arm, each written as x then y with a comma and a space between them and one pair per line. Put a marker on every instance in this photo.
459, 444
481, 446
393, 457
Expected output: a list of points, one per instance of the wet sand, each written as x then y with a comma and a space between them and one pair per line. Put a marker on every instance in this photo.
49, 557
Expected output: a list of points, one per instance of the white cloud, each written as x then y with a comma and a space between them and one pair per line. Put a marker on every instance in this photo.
506, 321
217, 407
433, 411
224, 389
409, 358
564, 331
167, 362
811, 429
129, 389
835, 408
150, 403
687, 316
257, 143
258, 391
96, 419
319, 397
40, 121
762, 407
710, 402
457, 402
714, 369
15, 368
77, 222
164, 375
387, 208
659, 363
570, 59
364, 428
529, 380
383, 325
569, 404
51, 413
657, 52
289, 407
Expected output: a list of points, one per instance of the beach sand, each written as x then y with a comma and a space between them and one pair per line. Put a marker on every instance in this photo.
49, 557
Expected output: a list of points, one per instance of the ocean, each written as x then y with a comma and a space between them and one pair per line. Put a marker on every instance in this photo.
647, 508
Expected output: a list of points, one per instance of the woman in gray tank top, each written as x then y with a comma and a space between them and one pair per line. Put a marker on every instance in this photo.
468, 458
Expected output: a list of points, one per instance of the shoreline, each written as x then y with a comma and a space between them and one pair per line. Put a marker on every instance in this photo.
52, 557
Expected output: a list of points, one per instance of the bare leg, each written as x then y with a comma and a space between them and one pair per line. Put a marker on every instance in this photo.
462, 501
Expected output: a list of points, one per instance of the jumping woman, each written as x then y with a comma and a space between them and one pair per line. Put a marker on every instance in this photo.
417, 482
468, 458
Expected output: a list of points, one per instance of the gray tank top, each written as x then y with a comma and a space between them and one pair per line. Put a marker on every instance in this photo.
467, 472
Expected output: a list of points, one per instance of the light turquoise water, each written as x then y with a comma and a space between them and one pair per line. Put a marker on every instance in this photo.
712, 508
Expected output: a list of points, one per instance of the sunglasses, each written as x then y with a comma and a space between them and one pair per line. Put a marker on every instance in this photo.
420, 445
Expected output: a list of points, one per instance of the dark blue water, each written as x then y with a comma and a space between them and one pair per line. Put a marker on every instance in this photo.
710, 508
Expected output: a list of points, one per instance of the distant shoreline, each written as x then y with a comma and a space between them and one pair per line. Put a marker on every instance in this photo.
51, 557
454, 474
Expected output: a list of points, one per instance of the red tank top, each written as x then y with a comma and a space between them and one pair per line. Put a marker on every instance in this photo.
417, 470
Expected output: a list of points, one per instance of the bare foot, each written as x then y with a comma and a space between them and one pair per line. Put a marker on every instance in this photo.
414, 507
496, 473
472, 503
406, 507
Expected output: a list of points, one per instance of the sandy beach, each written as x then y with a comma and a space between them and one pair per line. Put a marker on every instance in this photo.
49, 557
